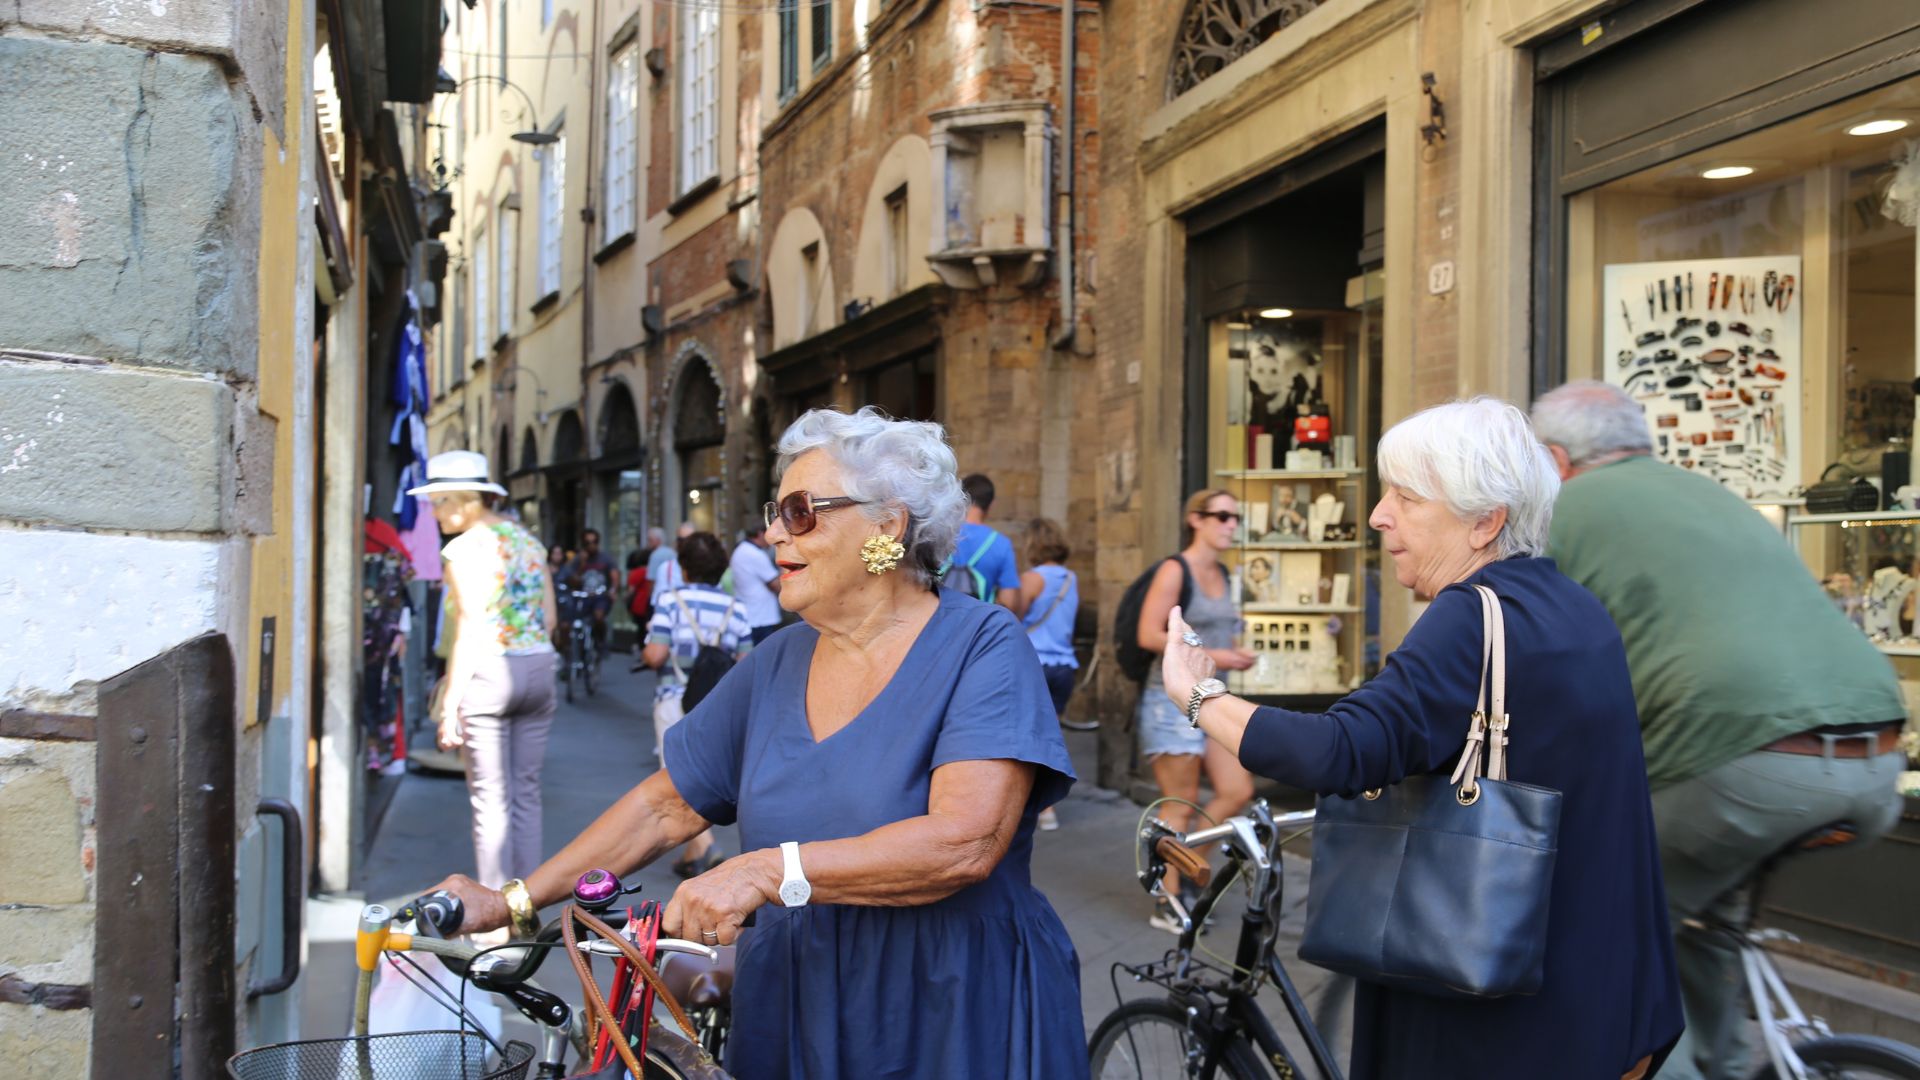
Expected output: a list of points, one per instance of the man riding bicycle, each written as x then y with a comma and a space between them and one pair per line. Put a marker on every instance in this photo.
1765, 714
591, 571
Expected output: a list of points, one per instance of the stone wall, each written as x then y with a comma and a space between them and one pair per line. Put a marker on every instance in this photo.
134, 458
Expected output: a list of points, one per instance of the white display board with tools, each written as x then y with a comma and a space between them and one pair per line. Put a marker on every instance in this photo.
1711, 348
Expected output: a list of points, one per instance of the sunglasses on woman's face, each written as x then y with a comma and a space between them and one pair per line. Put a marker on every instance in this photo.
1222, 516
799, 512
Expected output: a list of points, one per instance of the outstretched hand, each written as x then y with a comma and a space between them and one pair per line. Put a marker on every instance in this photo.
1183, 663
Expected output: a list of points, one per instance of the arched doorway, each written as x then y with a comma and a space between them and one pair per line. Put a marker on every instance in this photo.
525, 484
567, 482
617, 471
699, 443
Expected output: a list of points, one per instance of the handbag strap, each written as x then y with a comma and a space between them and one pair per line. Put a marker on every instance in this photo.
1487, 731
1066, 582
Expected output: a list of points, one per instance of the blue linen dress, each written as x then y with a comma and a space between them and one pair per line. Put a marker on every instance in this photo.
982, 983
1611, 994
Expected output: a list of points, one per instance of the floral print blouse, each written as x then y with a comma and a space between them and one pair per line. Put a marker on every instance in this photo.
498, 572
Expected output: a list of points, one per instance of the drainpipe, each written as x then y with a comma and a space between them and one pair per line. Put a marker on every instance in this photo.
1064, 215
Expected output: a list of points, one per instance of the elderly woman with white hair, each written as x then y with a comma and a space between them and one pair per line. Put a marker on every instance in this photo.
1468, 498
886, 763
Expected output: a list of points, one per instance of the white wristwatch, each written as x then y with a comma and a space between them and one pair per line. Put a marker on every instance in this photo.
794, 889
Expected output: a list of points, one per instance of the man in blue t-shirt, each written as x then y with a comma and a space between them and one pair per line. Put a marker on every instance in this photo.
983, 564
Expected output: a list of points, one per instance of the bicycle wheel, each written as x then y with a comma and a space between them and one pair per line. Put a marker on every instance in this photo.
590, 669
1147, 1040
1841, 1057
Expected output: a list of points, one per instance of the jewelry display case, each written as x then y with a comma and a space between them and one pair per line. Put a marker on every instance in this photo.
1869, 564
1294, 410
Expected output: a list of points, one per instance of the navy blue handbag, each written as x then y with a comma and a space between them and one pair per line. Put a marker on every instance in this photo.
1440, 887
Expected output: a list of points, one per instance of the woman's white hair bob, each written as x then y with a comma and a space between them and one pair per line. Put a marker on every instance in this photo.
1476, 457
890, 465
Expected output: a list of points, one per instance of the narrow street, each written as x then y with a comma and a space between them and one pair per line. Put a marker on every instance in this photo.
602, 746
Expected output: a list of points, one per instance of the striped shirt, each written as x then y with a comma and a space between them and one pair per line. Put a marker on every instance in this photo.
685, 619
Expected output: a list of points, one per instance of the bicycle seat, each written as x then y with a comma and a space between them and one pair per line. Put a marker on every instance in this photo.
697, 983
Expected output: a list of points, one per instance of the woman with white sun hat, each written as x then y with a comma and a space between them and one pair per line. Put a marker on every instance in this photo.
499, 699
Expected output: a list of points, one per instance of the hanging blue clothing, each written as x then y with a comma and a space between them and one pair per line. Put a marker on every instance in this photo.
982, 983
1611, 994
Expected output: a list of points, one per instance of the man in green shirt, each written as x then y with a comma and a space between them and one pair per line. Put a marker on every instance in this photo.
1765, 714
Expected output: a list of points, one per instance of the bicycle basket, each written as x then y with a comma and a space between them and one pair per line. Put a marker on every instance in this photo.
414, 1055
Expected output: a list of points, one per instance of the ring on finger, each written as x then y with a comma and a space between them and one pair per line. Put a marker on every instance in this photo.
710, 934
1190, 639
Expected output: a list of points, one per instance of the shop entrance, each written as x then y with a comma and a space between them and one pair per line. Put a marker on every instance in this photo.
1285, 280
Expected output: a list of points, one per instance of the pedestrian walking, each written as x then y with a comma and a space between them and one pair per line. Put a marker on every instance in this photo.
668, 578
1051, 594
885, 762
983, 565
1176, 750
756, 581
499, 698
1468, 494
1765, 713
687, 621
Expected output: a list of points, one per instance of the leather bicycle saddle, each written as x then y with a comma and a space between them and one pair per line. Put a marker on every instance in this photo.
696, 983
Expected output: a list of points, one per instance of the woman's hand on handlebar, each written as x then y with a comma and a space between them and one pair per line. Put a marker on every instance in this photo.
711, 908
486, 908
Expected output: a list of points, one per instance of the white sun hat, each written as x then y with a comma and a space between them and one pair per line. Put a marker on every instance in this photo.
457, 470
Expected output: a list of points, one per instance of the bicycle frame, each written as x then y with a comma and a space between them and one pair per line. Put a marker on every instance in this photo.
1782, 1021
1252, 845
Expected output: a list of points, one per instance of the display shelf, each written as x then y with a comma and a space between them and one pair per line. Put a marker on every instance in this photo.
1299, 609
1305, 545
1865, 517
1897, 650
1290, 474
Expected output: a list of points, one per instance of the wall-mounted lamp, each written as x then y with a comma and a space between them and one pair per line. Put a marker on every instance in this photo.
1435, 129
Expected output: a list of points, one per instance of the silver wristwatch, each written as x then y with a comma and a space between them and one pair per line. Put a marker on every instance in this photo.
1202, 690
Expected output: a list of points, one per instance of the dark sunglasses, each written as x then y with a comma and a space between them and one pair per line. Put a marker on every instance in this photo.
1222, 516
799, 512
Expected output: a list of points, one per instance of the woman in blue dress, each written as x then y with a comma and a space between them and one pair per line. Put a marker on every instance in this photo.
885, 762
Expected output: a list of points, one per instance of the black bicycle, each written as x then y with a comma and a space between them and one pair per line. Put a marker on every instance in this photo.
582, 666
1209, 1023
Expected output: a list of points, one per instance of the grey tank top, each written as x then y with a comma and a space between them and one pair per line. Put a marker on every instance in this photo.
1215, 619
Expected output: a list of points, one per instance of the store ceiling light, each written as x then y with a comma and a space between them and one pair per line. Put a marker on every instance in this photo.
1877, 127
1727, 172
1276, 313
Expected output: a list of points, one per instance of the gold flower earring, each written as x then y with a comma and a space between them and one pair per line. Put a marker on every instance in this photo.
881, 553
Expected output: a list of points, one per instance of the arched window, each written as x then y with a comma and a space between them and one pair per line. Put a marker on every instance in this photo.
529, 450
619, 428
569, 440
1215, 33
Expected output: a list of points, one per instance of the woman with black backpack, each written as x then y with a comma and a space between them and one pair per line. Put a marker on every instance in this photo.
1176, 749
695, 633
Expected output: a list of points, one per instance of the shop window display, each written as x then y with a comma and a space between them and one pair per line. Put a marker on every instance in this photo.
1293, 392
1758, 298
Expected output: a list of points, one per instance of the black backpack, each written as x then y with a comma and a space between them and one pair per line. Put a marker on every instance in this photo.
1135, 661
710, 664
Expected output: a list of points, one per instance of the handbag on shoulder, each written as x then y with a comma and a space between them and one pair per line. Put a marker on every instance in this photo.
1440, 886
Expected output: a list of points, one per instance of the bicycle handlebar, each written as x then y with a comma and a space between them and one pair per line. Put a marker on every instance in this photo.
1185, 861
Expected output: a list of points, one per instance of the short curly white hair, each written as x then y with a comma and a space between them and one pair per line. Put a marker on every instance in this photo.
891, 465
1476, 457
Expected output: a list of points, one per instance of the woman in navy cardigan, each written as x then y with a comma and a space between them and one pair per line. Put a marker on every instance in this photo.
1468, 496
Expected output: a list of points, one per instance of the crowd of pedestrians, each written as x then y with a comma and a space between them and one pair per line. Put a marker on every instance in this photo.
1680, 680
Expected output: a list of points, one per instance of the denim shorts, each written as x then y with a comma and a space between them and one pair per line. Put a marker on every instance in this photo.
1163, 725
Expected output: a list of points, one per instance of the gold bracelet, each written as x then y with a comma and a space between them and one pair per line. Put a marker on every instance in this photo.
520, 911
